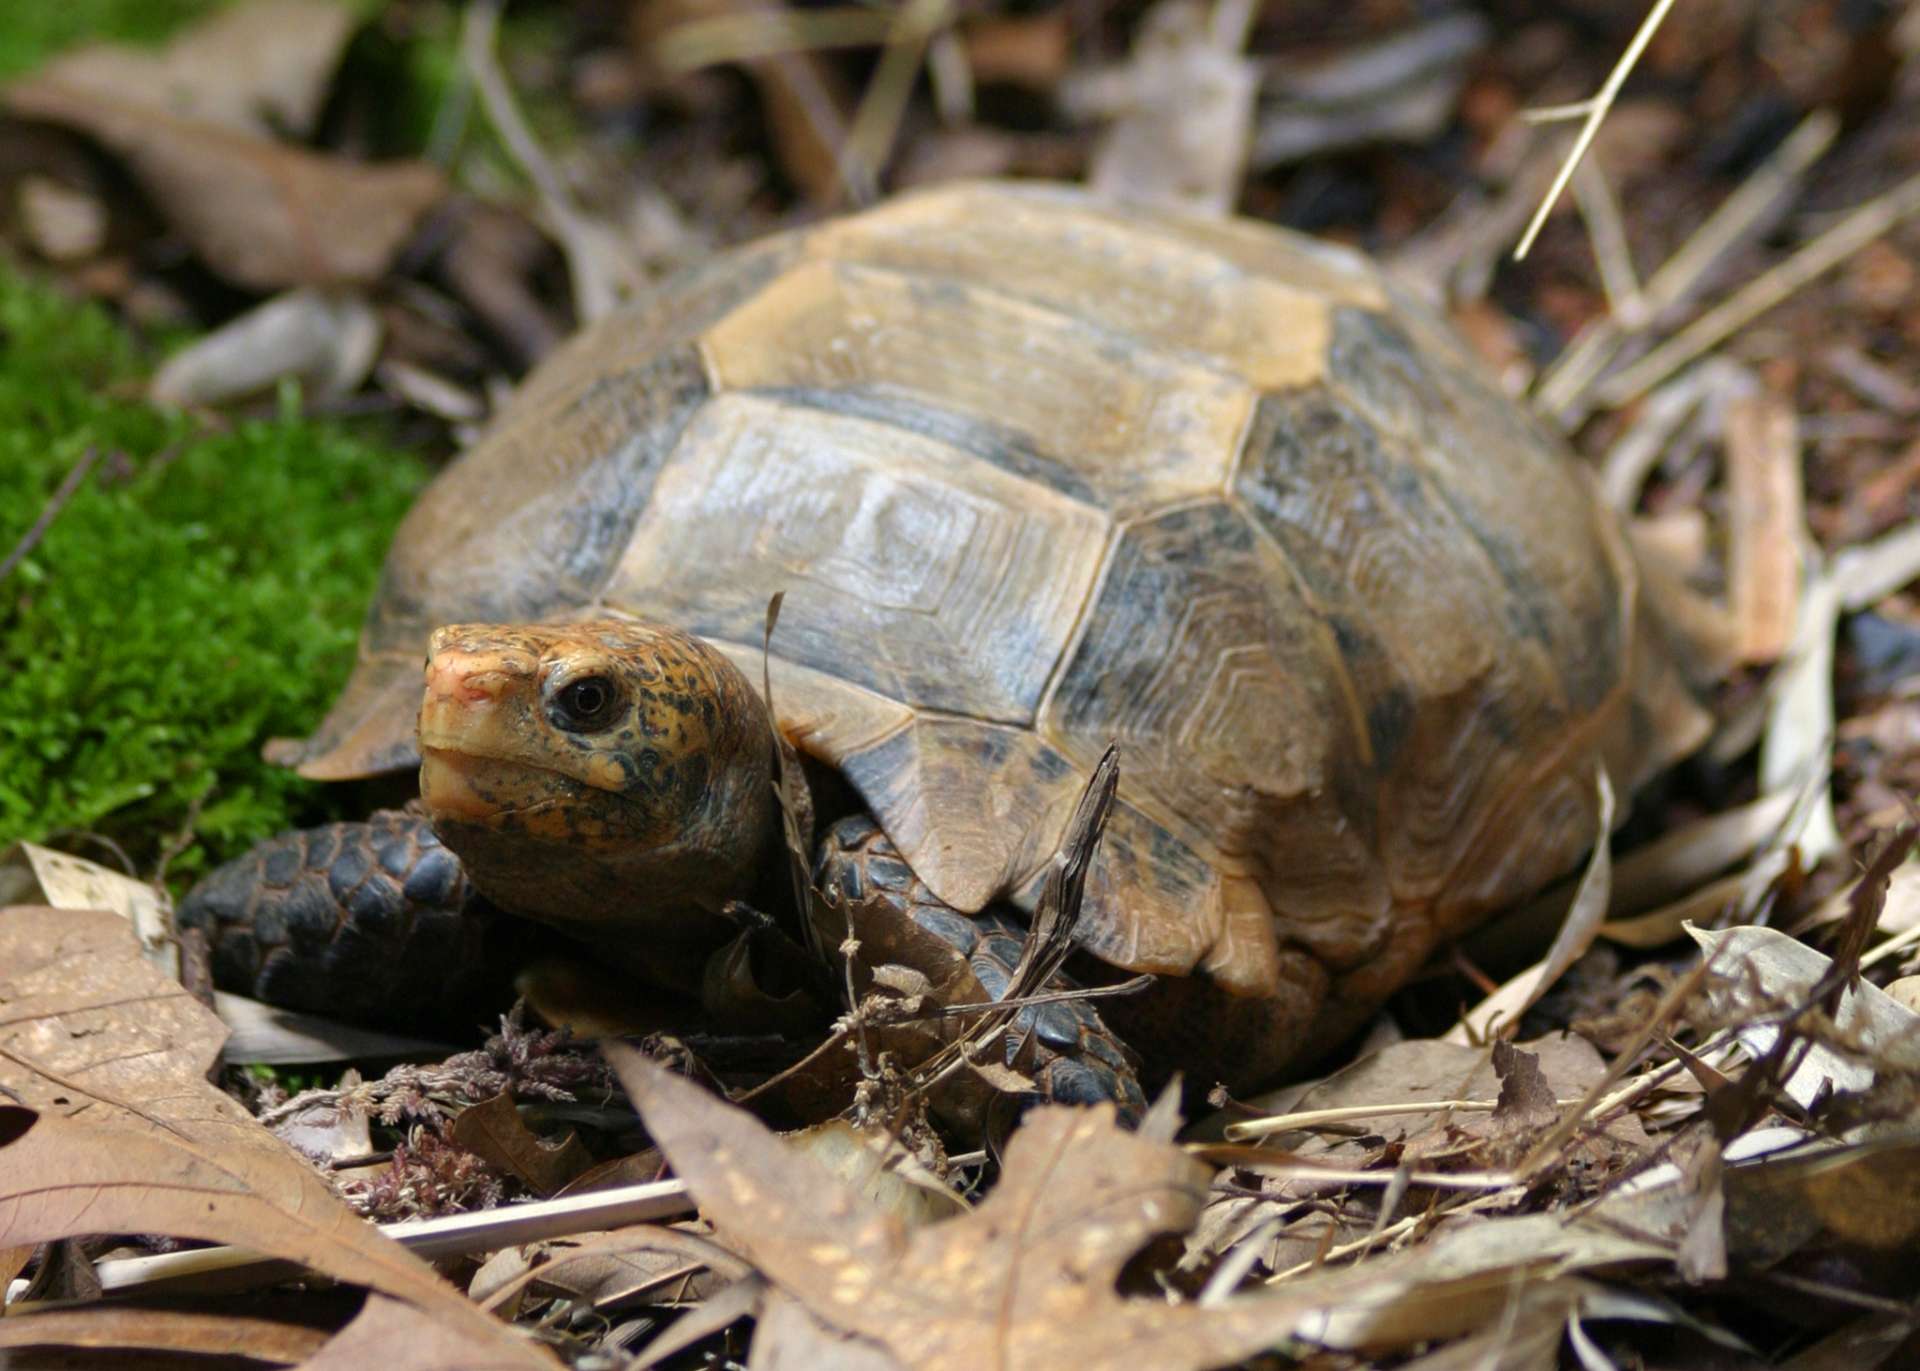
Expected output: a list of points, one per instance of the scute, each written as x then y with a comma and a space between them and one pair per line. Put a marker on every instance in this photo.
529, 524
1138, 426
1265, 317
1035, 473
910, 567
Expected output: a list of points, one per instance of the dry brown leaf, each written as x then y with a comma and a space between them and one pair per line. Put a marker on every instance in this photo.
31, 874
386, 1326
164, 1330
1762, 970
262, 214
263, 67
1027, 1280
494, 1131
788, 1337
1861, 1194
1427, 1069
114, 1127
1526, 1100
604, 1268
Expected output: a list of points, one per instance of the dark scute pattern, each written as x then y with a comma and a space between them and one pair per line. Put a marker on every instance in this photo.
372, 922
560, 560
1003, 446
1435, 397
1079, 1060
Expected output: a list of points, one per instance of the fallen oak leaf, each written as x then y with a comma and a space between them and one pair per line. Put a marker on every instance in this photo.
114, 1127
386, 1326
1028, 1279
262, 214
494, 1131
124, 1328
262, 67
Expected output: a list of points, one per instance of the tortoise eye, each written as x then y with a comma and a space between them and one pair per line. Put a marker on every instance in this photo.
584, 705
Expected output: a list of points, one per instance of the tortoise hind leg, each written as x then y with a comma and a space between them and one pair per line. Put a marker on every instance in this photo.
1079, 1061
370, 922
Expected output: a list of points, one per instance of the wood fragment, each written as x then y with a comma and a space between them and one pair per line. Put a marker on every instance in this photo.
1766, 523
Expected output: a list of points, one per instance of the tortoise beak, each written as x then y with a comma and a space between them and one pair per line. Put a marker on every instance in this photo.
476, 695
472, 714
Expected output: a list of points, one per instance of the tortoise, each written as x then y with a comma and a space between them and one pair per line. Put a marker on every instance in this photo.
1034, 473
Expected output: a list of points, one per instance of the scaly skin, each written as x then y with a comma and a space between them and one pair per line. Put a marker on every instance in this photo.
612, 779
630, 828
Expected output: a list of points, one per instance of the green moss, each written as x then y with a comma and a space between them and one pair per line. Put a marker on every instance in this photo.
200, 593
33, 31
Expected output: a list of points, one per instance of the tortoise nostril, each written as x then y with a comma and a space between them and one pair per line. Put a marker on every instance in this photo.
455, 677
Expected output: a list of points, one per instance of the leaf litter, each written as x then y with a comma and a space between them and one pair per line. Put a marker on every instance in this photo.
1718, 1154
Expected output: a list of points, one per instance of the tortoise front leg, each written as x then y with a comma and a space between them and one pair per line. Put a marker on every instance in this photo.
373, 922
1079, 1059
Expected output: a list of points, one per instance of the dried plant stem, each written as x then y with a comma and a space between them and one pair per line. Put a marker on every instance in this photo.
754, 34
1865, 224
877, 122
602, 272
1867, 573
59, 500
1247, 1130
1739, 216
1893, 946
1594, 112
430, 1239
1601, 211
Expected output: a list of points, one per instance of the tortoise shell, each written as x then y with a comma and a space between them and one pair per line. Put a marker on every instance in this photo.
1035, 474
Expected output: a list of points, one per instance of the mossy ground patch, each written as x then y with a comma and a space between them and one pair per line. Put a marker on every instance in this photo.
200, 592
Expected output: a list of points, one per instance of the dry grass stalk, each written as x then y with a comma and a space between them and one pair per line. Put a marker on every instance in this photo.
1593, 112
746, 36
876, 123
1563, 390
1863, 226
1697, 397
602, 271
1247, 1130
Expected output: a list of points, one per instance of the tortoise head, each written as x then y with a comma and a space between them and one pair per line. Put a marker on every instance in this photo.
606, 776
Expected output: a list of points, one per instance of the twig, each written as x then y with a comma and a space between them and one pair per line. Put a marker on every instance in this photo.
597, 261
1595, 200
1594, 111
1739, 217
1867, 573
456, 1235
1249, 1129
1867, 223
1699, 395
69, 487
877, 122
1131, 986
